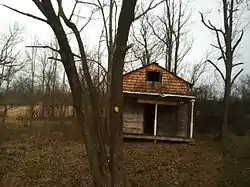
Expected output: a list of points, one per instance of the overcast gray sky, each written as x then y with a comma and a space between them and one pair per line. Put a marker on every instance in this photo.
202, 37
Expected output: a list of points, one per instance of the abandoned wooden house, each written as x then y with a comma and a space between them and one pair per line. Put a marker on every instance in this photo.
157, 105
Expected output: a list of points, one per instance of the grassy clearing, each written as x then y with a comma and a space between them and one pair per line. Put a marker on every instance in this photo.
53, 155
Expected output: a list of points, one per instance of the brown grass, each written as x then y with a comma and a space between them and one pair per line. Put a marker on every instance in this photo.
16, 111
22, 112
54, 156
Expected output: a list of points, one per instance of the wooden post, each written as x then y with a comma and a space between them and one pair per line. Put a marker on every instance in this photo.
155, 121
192, 119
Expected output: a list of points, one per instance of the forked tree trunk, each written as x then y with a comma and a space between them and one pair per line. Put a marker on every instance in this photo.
103, 174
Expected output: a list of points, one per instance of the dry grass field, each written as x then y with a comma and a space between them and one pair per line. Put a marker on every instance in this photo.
22, 112
53, 155
17, 111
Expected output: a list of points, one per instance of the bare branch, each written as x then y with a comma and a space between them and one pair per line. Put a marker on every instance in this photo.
217, 31
220, 46
39, 6
56, 59
104, 24
210, 26
89, 3
99, 64
215, 46
218, 69
238, 41
150, 7
234, 65
73, 10
26, 14
232, 82
197, 71
8, 53
129, 46
87, 22
44, 47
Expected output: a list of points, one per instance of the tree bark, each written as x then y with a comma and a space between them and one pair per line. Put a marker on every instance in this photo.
226, 103
177, 39
119, 178
99, 178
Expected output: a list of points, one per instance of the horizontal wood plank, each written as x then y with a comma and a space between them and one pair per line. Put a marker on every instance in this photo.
159, 102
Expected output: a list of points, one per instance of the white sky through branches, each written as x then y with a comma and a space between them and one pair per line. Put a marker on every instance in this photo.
202, 37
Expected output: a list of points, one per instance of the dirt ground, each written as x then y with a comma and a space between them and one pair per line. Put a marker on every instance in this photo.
54, 156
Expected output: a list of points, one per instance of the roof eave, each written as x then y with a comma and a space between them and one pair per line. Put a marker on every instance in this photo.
159, 94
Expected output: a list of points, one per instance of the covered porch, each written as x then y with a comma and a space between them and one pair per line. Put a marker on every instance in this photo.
161, 117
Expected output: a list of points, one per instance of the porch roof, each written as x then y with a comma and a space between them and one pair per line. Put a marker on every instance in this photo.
166, 95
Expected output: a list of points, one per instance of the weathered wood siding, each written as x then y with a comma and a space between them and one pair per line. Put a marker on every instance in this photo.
136, 81
182, 121
167, 120
132, 116
173, 121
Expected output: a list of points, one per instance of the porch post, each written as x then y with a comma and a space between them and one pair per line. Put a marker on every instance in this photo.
192, 119
155, 120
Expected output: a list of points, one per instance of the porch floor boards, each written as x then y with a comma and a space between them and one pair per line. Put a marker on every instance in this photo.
157, 138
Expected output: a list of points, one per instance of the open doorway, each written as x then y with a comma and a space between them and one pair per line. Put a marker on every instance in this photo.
149, 115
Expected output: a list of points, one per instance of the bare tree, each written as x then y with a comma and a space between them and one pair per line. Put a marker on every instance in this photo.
205, 92
8, 51
47, 87
107, 169
103, 173
146, 46
243, 88
31, 58
171, 29
10, 64
198, 70
6, 88
48, 81
228, 39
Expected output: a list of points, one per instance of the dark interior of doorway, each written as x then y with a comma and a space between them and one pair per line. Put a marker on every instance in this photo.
149, 114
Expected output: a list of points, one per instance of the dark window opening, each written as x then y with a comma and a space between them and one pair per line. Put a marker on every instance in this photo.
154, 76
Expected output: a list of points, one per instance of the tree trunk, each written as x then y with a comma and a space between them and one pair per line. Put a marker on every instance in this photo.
31, 115
166, 58
226, 99
107, 98
92, 145
102, 174
226, 103
227, 45
119, 178
177, 39
4, 114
